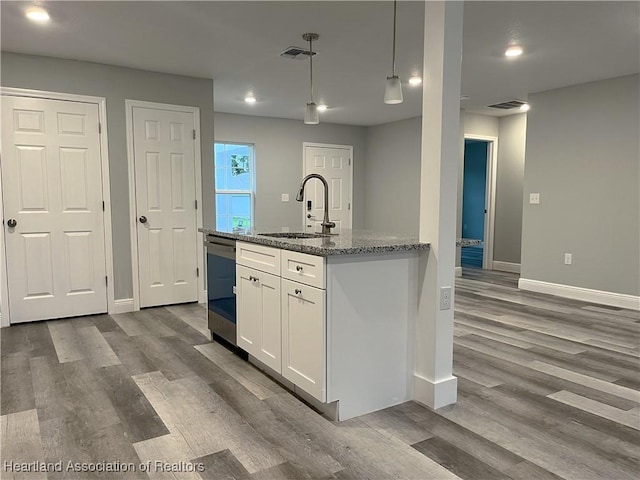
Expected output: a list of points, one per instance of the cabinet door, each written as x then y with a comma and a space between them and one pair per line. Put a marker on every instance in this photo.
248, 310
303, 337
258, 319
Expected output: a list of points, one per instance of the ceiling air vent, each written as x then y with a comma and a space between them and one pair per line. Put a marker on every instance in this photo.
296, 53
508, 105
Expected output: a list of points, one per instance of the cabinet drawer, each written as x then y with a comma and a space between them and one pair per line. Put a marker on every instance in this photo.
303, 268
265, 259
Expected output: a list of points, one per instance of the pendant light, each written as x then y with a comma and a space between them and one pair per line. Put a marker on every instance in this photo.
393, 90
311, 112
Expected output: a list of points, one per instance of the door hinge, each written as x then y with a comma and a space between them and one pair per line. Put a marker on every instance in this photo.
99, 127
196, 202
197, 271
103, 205
194, 134
348, 206
349, 161
106, 280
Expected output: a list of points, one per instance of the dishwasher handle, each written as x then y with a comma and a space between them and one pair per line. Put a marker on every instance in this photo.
222, 249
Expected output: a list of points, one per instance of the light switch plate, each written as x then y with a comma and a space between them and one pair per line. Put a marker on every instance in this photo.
285, 197
568, 259
534, 198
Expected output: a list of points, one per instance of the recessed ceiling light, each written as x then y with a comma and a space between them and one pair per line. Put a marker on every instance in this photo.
250, 98
415, 80
37, 14
525, 107
322, 107
513, 51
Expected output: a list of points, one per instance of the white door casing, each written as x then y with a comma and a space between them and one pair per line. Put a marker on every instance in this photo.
56, 260
164, 157
335, 164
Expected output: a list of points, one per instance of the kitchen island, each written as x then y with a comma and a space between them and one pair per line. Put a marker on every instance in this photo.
332, 317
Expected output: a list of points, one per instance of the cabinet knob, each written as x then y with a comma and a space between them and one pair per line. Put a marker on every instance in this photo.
298, 291
299, 268
253, 279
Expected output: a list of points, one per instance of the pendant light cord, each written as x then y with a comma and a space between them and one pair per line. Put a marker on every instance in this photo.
311, 66
393, 61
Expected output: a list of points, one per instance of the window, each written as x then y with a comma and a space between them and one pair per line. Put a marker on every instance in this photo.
234, 181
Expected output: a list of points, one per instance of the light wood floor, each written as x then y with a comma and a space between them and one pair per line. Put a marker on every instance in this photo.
548, 388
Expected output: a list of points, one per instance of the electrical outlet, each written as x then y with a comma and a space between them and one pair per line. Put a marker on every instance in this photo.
284, 229
568, 258
534, 198
285, 197
445, 298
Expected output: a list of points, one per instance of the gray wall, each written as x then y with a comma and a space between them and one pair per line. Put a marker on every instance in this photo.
475, 124
278, 149
117, 84
582, 156
509, 184
393, 176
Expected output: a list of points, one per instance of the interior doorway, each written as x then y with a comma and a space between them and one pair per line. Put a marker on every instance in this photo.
164, 194
478, 200
335, 164
56, 254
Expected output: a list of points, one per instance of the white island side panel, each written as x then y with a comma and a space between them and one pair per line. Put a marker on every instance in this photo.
370, 315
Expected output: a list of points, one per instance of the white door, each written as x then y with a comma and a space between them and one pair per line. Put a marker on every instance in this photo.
334, 164
164, 159
52, 187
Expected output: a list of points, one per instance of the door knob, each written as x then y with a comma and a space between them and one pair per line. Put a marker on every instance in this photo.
309, 215
11, 223
143, 219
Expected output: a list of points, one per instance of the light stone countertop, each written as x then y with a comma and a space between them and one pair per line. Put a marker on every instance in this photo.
467, 242
348, 242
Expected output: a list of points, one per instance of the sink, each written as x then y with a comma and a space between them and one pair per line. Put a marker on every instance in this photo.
294, 235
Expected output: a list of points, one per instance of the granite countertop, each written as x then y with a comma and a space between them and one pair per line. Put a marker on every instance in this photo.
348, 242
467, 242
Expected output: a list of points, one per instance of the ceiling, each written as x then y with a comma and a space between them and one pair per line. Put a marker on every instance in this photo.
238, 44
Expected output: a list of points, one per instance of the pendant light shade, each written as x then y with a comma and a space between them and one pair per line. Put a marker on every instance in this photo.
311, 112
393, 89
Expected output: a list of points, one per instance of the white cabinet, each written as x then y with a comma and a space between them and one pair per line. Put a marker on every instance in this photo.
321, 326
304, 337
281, 321
258, 315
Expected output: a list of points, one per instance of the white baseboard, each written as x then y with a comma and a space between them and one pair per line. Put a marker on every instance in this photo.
458, 271
435, 394
124, 305
506, 266
620, 300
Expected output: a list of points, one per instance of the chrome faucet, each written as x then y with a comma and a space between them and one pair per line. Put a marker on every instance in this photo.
327, 225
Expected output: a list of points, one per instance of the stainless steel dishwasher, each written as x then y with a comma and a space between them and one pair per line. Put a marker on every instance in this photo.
221, 286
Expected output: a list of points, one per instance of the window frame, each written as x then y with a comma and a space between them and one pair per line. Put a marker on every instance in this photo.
252, 182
